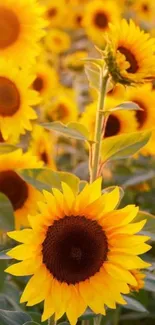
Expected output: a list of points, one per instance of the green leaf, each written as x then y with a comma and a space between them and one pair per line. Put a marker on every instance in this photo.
72, 130
149, 285
6, 214
6, 148
13, 317
126, 106
138, 179
4, 256
133, 304
93, 76
46, 179
3, 266
124, 145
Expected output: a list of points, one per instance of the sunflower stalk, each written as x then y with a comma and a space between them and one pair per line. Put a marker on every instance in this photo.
51, 321
100, 122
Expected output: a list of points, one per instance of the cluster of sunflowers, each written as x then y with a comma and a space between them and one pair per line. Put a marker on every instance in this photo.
77, 94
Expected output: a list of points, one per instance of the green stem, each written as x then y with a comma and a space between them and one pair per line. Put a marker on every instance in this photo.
99, 125
51, 321
116, 317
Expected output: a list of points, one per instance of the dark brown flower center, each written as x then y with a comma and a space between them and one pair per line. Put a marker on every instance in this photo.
44, 157
101, 20
52, 12
130, 58
145, 7
9, 27
38, 84
79, 20
75, 248
113, 126
1, 137
9, 97
14, 188
141, 115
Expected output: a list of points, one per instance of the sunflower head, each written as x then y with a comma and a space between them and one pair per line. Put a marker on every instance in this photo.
16, 100
74, 61
21, 194
55, 12
127, 62
22, 26
57, 41
82, 248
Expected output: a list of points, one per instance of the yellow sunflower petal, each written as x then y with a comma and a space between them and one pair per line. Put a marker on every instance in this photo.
131, 262
119, 273
26, 267
22, 236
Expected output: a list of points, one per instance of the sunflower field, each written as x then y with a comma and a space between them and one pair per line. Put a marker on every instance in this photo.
77, 162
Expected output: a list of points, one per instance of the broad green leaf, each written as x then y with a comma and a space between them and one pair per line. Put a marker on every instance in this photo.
72, 130
6, 148
133, 304
124, 145
46, 179
93, 76
149, 285
13, 317
6, 214
138, 179
126, 106
4, 256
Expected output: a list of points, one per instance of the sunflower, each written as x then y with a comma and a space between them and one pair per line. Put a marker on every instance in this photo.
97, 16
130, 53
76, 14
144, 10
21, 194
42, 146
145, 98
83, 250
21, 28
16, 99
46, 81
74, 61
139, 276
57, 41
55, 12
63, 108
118, 122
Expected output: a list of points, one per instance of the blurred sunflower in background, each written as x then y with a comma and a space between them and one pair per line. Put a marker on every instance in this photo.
63, 108
22, 195
143, 11
77, 246
57, 41
145, 98
118, 122
16, 100
21, 28
130, 54
46, 81
42, 146
55, 12
97, 16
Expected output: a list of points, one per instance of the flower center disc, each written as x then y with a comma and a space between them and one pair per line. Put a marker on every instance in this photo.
14, 188
44, 157
9, 97
101, 20
52, 12
130, 58
74, 249
1, 138
141, 115
38, 84
113, 126
9, 27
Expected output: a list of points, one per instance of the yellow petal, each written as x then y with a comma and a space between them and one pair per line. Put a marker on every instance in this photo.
22, 236
125, 241
68, 196
120, 217
76, 306
130, 229
27, 267
129, 262
134, 250
22, 252
119, 273
48, 308
111, 199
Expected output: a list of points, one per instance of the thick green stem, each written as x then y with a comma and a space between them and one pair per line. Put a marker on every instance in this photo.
51, 321
99, 125
117, 316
